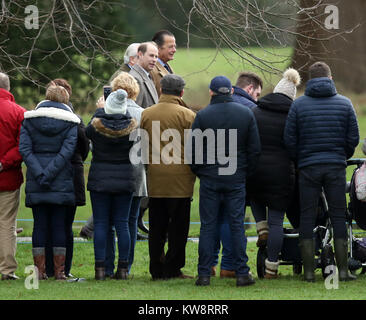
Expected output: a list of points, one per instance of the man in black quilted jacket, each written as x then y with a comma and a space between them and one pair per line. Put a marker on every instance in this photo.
321, 133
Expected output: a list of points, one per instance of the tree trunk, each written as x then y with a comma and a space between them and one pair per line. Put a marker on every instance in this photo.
344, 52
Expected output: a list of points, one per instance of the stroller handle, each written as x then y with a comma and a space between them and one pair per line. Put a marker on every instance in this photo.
355, 161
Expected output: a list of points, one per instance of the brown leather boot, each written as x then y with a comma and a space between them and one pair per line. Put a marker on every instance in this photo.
227, 273
213, 271
59, 262
39, 259
122, 271
100, 270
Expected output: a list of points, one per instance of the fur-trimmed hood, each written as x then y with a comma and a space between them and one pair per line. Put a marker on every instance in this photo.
113, 126
51, 117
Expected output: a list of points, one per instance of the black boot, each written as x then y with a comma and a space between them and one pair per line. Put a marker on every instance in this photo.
203, 281
307, 247
122, 270
99, 270
341, 256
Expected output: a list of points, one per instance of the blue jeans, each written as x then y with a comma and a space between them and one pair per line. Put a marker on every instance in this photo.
332, 178
132, 223
108, 209
223, 237
215, 199
49, 216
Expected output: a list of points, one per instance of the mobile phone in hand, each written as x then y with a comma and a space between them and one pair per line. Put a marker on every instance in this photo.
106, 91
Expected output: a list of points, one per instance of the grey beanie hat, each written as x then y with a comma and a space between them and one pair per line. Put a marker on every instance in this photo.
116, 102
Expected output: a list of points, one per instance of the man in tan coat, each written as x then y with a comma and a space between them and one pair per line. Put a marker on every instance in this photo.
170, 181
167, 47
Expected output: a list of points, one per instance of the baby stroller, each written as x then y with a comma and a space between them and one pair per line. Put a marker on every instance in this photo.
356, 210
290, 252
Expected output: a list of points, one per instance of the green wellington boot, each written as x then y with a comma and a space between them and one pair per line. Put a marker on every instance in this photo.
307, 247
341, 256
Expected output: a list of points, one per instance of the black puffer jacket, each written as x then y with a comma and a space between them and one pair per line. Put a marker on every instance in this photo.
111, 170
273, 181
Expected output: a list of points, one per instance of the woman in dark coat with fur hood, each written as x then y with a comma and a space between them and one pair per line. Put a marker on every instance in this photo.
48, 139
112, 179
270, 188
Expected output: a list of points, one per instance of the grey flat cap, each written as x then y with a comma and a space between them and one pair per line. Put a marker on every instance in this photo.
172, 84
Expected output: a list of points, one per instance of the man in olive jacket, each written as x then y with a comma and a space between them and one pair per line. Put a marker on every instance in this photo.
170, 181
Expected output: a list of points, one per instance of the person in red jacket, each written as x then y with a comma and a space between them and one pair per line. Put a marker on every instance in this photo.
11, 177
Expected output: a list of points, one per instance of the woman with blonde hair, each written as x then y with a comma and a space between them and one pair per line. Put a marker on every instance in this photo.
128, 83
48, 139
271, 187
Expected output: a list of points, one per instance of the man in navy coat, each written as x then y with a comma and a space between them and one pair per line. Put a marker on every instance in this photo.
226, 152
321, 133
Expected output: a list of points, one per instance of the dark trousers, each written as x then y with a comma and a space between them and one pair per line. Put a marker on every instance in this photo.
275, 226
69, 220
49, 218
168, 216
332, 178
221, 199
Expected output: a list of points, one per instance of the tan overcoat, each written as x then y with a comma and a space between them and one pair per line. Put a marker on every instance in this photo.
157, 74
175, 179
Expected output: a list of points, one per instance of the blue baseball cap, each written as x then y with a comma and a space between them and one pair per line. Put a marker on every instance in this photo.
221, 85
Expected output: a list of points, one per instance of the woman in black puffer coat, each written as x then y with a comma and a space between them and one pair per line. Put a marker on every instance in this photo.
112, 179
270, 189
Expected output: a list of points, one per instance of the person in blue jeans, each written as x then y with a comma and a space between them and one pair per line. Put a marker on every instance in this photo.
222, 161
247, 89
128, 83
321, 133
112, 179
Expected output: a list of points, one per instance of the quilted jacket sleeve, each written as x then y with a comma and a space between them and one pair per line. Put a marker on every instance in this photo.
26, 150
353, 135
253, 146
290, 133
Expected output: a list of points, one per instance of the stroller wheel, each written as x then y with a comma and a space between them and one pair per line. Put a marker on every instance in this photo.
327, 260
297, 268
261, 265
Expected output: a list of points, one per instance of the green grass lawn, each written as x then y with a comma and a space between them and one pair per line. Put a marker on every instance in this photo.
141, 287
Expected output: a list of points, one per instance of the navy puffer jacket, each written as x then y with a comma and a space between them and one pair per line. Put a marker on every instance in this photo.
321, 127
47, 143
111, 170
